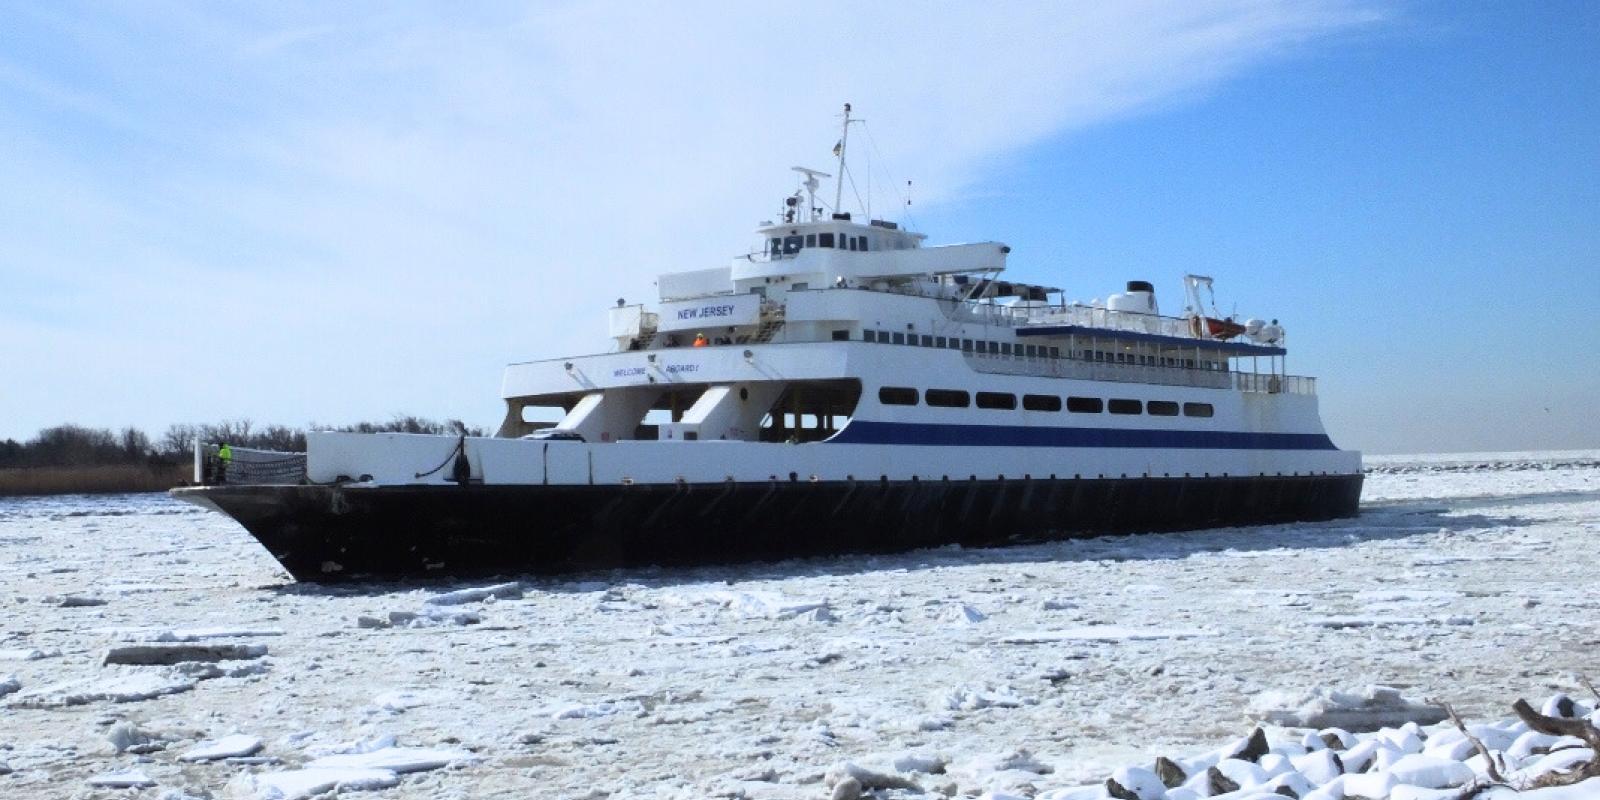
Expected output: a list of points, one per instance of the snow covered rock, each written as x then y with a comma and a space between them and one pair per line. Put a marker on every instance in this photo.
1133, 783
1431, 773
1319, 767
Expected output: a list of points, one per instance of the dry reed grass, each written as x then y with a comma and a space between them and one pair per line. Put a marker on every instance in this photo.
93, 480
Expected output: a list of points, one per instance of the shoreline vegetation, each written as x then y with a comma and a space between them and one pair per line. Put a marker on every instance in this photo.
72, 459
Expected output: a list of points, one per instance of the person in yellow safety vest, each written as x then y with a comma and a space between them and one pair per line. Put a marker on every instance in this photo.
225, 456
700, 340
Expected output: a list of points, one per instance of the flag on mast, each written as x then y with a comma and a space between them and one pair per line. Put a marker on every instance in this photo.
839, 147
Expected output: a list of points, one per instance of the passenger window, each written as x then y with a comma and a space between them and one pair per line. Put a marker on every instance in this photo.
966, 345
864, 247
897, 396
1005, 348
825, 240
947, 398
869, 336
955, 344
852, 242
997, 400
899, 338
841, 336
1085, 405
927, 341
811, 240
1117, 406
1197, 409
883, 337
1055, 352
1041, 402
1162, 408
939, 342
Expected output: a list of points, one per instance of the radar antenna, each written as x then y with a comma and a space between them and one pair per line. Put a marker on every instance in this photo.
811, 185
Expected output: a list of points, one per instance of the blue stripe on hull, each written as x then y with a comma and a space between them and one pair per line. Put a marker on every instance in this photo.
919, 433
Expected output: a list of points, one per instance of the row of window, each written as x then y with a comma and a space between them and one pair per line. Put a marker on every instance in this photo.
1005, 401
789, 245
953, 343
1027, 350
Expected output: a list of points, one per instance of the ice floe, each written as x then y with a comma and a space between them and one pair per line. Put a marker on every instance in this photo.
117, 687
233, 746
132, 778
501, 591
300, 784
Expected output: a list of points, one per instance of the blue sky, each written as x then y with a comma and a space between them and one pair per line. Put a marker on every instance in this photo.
305, 212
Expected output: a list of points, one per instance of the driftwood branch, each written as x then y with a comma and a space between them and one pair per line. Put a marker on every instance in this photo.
1488, 759
1584, 679
1560, 726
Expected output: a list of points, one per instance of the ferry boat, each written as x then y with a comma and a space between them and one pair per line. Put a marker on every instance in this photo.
844, 387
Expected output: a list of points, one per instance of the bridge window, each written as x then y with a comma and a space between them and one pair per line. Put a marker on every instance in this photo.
1003, 401
791, 244
1162, 408
824, 240
775, 247
1121, 406
863, 241
897, 396
1197, 410
1085, 405
1041, 402
811, 240
947, 398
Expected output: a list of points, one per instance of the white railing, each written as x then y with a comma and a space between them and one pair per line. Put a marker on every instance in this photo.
1274, 384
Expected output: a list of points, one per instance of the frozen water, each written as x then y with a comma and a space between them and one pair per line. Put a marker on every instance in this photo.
1089, 656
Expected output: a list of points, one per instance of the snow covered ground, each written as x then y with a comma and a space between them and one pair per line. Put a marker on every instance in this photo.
147, 643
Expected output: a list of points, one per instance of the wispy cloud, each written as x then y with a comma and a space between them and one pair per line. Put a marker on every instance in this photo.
341, 212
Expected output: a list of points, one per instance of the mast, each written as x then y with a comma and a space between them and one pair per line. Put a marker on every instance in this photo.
844, 138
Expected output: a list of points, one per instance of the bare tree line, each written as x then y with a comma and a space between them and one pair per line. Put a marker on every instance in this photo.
77, 446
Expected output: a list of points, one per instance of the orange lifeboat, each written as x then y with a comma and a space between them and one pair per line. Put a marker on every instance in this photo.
1213, 328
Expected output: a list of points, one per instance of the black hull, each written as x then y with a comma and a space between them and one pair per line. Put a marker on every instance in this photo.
328, 533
